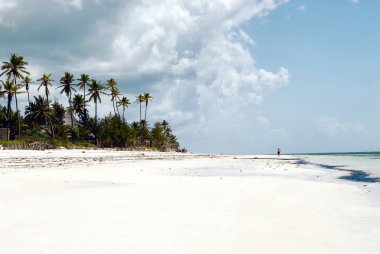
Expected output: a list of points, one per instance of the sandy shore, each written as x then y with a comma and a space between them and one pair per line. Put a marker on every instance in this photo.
78, 201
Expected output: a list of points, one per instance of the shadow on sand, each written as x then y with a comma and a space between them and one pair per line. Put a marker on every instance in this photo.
354, 175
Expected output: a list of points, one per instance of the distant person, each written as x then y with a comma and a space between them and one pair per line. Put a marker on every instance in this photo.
278, 152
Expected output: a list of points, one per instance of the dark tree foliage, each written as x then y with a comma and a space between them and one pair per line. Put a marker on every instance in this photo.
113, 132
37, 112
47, 122
162, 136
58, 113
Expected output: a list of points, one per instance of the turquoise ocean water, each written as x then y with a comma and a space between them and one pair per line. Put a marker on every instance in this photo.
363, 161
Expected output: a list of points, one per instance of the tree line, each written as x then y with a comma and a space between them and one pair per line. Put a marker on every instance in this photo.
44, 119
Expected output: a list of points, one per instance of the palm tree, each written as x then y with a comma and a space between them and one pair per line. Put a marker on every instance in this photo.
26, 81
95, 90
124, 102
78, 104
147, 98
8, 90
15, 68
140, 99
38, 111
67, 88
16, 90
83, 81
46, 81
112, 85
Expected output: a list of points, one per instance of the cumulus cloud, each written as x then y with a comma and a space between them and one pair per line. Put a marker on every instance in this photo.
204, 71
355, 1
192, 55
333, 127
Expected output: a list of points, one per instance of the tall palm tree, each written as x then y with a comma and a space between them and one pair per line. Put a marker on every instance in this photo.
83, 81
124, 102
16, 90
26, 81
112, 85
8, 90
67, 88
96, 88
140, 99
147, 98
15, 69
46, 81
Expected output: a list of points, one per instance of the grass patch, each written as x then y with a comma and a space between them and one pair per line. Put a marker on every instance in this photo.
7, 143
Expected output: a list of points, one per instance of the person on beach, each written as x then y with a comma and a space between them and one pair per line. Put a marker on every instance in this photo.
278, 152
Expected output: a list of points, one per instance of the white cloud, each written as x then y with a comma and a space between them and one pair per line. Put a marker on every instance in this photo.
355, 1
246, 38
205, 74
77, 4
333, 127
193, 56
6, 6
301, 8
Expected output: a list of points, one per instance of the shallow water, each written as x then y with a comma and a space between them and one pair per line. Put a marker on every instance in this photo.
367, 162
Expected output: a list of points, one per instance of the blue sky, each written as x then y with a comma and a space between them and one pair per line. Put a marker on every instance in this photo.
331, 49
242, 76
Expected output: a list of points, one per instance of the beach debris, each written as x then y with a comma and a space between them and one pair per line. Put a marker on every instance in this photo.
40, 146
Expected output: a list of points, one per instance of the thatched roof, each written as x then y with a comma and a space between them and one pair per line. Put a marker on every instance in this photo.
67, 120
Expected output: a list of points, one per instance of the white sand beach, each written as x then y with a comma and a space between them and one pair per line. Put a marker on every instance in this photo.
82, 201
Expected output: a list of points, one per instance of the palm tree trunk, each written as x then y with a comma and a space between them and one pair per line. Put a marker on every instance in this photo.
71, 112
84, 98
117, 109
146, 108
140, 112
96, 122
47, 97
27, 90
18, 115
51, 122
113, 104
9, 113
141, 127
123, 114
96, 114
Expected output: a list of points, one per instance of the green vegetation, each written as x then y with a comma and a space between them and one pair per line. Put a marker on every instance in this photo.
43, 121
